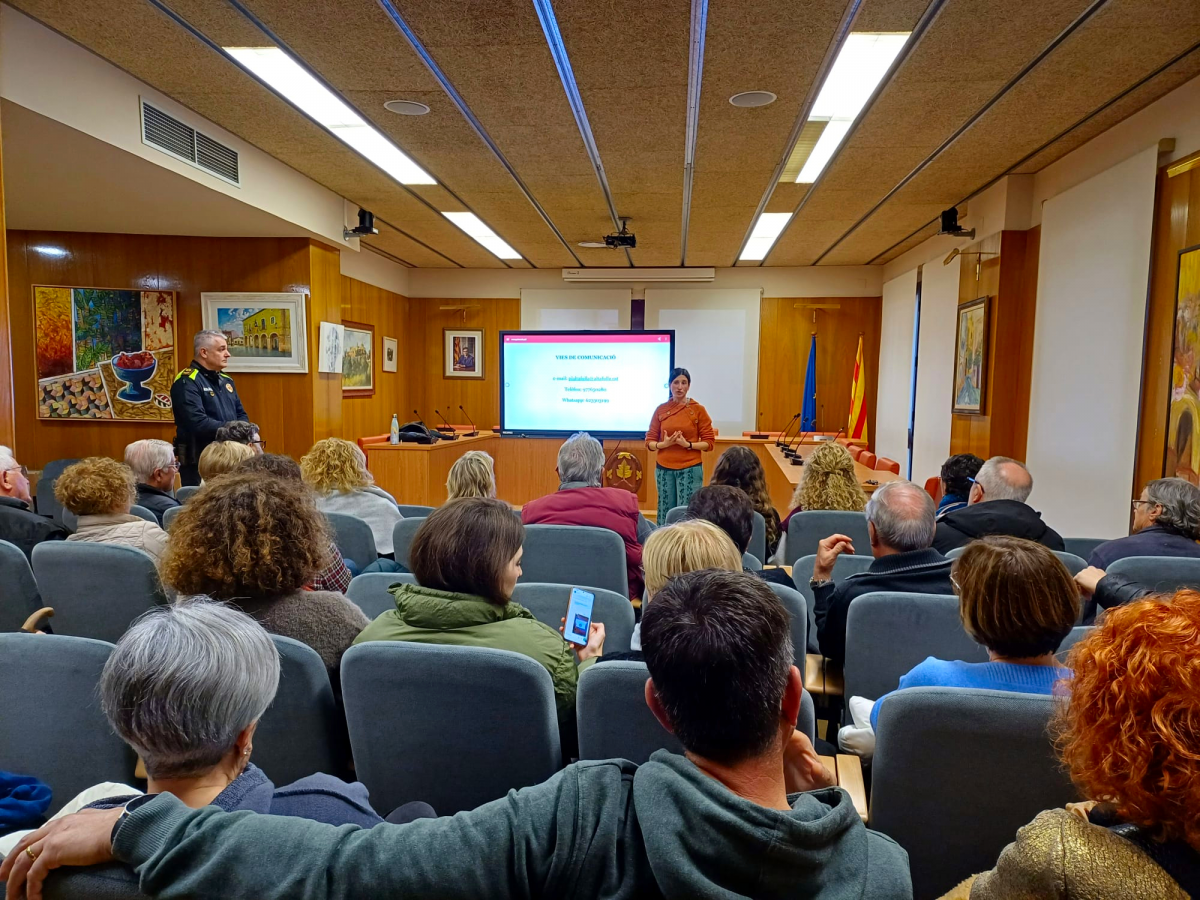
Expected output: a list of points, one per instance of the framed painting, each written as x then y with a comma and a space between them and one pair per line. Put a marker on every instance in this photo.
462, 353
104, 353
391, 354
970, 358
267, 333
358, 360
1181, 456
330, 340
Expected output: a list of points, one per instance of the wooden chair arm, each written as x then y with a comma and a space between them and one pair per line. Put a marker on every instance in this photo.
850, 779
31, 624
814, 673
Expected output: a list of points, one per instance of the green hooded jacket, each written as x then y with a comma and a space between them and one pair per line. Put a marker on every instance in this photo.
426, 616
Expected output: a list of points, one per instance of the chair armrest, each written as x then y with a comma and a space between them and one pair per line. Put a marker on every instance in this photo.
850, 779
814, 673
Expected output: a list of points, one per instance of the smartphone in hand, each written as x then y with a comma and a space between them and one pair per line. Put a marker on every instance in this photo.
579, 616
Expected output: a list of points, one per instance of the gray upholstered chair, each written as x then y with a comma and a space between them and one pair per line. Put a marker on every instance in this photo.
403, 533
47, 503
303, 731
54, 728
1083, 547
752, 562
19, 598
956, 772
1162, 574
615, 723
576, 555
793, 601
184, 494
888, 634
675, 514
142, 513
170, 514
369, 591
96, 590
847, 564
452, 726
1075, 564
548, 602
758, 535
354, 538
1077, 634
411, 511
809, 528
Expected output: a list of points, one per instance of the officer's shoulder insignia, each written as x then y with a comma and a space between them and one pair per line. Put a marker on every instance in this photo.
189, 372
229, 386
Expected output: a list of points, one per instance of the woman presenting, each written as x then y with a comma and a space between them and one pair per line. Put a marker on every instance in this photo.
679, 430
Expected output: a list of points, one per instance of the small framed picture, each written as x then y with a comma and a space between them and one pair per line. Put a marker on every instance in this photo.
389, 354
463, 353
970, 358
329, 350
358, 360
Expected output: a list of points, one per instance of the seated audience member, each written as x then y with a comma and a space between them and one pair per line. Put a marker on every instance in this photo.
154, 467
472, 475
741, 468
242, 433
580, 500
900, 520
686, 546
221, 458
996, 505
466, 557
1018, 600
827, 481
1166, 522
101, 491
19, 524
957, 475
1129, 740
335, 576
729, 508
748, 812
256, 542
337, 471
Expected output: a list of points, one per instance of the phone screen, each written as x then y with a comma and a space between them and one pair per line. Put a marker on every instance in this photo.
579, 616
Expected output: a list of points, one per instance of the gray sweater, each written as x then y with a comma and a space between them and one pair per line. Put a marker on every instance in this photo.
326, 621
605, 829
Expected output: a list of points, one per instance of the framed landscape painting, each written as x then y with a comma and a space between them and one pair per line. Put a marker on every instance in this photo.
104, 353
970, 358
358, 360
1182, 452
267, 333
462, 353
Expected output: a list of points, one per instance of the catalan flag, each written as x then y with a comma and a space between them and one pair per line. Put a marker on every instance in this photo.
856, 428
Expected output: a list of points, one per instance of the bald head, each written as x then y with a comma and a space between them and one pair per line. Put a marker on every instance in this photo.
1001, 478
903, 515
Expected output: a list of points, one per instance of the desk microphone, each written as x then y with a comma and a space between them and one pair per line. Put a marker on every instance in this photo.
783, 434
447, 429
420, 418
474, 431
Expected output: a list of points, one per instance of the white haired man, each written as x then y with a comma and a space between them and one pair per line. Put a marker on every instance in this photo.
19, 524
203, 399
154, 466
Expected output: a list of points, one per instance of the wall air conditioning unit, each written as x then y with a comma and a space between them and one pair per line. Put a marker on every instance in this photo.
690, 275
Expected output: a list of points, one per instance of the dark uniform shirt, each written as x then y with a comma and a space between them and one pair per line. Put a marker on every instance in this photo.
203, 401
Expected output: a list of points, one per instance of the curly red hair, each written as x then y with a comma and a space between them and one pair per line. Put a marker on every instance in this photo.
1131, 733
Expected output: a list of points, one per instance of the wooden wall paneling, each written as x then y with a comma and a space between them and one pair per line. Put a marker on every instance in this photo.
1176, 225
388, 312
7, 414
785, 336
973, 434
325, 305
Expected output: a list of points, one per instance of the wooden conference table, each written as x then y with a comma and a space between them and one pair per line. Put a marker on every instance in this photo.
416, 473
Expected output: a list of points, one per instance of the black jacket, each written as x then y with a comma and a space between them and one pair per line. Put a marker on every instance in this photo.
158, 502
914, 572
1009, 517
203, 401
1113, 590
1153, 541
26, 529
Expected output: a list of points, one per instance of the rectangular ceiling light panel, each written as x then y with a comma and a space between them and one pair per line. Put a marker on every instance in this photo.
474, 226
860, 65
766, 230
298, 87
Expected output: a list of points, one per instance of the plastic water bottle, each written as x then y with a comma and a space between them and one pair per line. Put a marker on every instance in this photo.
394, 437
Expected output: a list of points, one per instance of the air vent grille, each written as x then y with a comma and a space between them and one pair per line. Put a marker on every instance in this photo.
166, 133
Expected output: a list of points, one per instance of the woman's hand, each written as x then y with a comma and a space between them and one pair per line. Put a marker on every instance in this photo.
802, 768
1088, 579
595, 644
81, 839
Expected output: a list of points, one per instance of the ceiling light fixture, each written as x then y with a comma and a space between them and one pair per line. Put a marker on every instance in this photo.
752, 99
296, 85
406, 107
860, 65
473, 225
766, 230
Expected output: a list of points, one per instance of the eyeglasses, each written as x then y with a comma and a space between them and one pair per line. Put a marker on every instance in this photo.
1136, 503
173, 467
954, 584
262, 445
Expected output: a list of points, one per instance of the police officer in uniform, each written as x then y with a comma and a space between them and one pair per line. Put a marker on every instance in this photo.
203, 398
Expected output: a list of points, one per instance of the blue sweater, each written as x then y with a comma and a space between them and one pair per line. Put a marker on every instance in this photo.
993, 676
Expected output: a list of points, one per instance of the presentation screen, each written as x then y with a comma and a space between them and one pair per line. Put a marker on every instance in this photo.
607, 383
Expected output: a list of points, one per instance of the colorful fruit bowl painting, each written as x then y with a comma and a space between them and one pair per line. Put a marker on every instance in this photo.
135, 369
